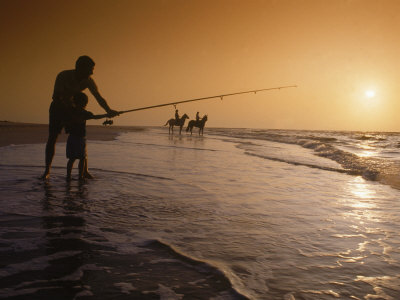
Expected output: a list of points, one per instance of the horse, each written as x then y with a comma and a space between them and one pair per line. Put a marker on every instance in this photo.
200, 124
173, 122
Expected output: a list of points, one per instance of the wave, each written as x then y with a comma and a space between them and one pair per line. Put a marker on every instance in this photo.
352, 163
72, 250
327, 145
214, 276
369, 168
296, 163
369, 137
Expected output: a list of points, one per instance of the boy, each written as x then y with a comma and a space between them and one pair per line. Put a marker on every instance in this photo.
76, 127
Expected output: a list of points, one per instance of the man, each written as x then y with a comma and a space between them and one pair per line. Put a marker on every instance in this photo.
67, 84
197, 117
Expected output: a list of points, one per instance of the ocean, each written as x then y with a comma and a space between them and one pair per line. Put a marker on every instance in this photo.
233, 214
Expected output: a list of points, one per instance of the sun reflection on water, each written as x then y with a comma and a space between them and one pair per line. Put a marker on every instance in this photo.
372, 245
366, 150
366, 153
362, 203
362, 191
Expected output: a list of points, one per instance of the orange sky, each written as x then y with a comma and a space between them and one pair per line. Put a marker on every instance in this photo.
152, 52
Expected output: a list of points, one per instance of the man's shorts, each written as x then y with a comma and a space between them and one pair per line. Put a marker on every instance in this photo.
76, 147
59, 113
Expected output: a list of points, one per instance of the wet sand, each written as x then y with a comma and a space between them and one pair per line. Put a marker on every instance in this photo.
13, 133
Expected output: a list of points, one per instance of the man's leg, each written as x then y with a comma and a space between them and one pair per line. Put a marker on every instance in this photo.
56, 124
50, 150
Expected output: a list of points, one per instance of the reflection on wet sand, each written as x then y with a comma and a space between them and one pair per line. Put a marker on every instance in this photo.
64, 230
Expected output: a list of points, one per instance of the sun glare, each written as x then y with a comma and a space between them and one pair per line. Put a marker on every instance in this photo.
370, 93
369, 98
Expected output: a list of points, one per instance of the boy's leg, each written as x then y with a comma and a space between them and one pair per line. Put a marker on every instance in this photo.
81, 168
70, 164
86, 173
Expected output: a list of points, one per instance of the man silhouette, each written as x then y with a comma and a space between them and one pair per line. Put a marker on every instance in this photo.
68, 83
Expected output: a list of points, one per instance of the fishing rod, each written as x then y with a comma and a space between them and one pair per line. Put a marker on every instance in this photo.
204, 98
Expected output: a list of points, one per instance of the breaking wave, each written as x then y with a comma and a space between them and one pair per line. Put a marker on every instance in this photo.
374, 156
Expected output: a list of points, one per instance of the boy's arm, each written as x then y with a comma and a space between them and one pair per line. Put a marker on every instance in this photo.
90, 116
100, 116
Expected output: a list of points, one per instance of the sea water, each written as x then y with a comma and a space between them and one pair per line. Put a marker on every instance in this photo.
233, 214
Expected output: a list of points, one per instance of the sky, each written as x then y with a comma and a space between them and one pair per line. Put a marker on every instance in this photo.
343, 55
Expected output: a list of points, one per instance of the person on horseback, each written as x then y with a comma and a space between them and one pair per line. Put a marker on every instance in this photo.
177, 117
176, 122
197, 117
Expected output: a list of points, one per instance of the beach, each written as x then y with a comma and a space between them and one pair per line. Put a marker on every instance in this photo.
234, 214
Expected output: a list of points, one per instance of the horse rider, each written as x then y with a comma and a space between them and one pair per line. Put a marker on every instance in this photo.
177, 117
197, 117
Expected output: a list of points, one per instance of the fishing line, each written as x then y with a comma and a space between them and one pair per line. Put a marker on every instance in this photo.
205, 98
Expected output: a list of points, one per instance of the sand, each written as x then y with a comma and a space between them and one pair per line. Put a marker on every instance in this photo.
13, 133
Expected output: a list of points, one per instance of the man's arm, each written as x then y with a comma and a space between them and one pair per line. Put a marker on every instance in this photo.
102, 102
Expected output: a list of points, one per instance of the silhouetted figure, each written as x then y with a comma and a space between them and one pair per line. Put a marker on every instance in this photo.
173, 122
197, 117
67, 84
193, 123
76, 128
177, 116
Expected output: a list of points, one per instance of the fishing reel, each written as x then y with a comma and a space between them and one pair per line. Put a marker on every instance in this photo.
108, 122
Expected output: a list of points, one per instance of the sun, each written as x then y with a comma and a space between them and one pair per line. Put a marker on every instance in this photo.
372, 99
370, 93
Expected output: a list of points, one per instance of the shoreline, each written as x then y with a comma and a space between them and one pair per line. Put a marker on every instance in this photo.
15, 133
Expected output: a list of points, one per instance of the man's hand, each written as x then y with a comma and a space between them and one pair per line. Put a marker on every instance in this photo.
112, 113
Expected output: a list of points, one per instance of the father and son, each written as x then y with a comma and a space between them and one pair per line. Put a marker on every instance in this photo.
67, 110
